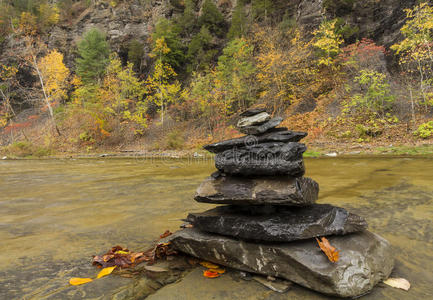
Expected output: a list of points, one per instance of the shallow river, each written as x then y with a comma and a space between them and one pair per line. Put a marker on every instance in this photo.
56, 214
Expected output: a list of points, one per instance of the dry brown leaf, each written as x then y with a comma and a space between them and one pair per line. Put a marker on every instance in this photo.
332, 253
399, 283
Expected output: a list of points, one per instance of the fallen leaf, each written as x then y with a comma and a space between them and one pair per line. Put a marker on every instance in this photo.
78, 281
165, 234
218, 270
155, 269
105, 272
210, 274
332, 253
209, 265
399, 283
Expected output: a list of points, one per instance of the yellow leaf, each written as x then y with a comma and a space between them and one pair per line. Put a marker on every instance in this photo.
78, 281
399, 283
209, 265
105, 272
122, 252
219, 270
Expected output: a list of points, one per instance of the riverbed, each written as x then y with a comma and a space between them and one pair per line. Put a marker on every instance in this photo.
56, 214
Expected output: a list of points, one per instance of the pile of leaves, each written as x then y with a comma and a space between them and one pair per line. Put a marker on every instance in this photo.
124, 258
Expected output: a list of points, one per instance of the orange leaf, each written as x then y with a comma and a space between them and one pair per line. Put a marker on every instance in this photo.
78, 281
210, 274
332, 253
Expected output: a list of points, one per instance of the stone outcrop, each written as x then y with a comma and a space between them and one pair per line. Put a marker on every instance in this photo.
277, 224
365, 259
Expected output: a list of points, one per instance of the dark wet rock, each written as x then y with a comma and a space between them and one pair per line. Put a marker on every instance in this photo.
255, 191
284, 136
261, 128
365, 259
268, 159
283, 224
254, 120
252, 112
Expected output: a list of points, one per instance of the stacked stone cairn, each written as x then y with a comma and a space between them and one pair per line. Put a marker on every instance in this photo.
270, 220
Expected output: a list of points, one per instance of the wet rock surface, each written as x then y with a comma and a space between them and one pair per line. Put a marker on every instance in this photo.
278, 135
365, 259
261, 128
277, 224
268, 159
220, 189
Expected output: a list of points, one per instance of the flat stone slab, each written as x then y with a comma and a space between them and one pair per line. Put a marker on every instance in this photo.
252, 111
269, 159
280, 190
261, 128
254, 120
284, 136
365, 259
277, 223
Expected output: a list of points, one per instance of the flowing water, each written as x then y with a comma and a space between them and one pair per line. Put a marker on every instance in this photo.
56, 214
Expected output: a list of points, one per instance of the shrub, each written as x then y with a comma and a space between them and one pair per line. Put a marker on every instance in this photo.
175, 140
425, 130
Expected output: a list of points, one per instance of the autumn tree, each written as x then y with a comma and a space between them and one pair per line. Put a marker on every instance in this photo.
327, 42
170, 33
161, 89
286, 70
416, 50
93, 57
8, 83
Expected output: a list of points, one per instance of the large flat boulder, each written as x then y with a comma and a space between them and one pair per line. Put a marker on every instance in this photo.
281, 190
284, 136
277, 223
365, 259
269, 159
261, 128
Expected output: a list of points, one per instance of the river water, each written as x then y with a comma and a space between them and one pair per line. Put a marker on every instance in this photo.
56, 214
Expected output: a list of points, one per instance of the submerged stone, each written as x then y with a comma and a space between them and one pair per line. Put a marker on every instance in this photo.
254, 120
365, 259
261, 128
267, 159
278, 223
284, 136
282, 190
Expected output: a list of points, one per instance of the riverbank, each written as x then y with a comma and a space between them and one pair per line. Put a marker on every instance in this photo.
314, 150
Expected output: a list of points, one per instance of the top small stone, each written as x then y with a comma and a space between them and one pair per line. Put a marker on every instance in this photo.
254, 120
252, 112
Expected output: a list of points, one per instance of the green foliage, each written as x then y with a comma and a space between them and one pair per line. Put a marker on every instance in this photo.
170, 32
377, 96
425, 130
188, 19
212, 18
338, 7
262, 9
93, 57
26, 149
199, 52
238, 26
136, 53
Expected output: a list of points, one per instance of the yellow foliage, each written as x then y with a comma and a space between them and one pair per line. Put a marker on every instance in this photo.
55, 75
